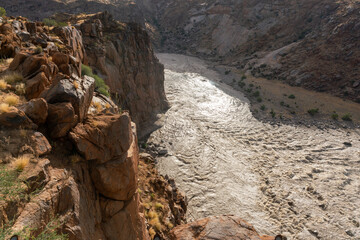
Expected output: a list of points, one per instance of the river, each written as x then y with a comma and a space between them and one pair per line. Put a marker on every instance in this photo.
299, 181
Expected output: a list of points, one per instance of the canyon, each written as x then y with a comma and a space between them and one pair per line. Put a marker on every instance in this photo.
248, 111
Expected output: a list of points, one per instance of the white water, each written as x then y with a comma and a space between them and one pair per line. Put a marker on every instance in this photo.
297, 181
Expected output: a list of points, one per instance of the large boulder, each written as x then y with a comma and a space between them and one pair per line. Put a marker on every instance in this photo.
77, 91
16, 118
36, 85
117, 179
104, 137
9, 42
220, 227
40, 144
36, 110
61, 118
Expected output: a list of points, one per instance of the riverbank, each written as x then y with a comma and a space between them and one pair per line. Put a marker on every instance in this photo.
284, 179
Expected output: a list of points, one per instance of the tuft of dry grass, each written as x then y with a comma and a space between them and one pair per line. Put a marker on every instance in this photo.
159, 206
152, 233
3, 85
155, 222
76, 84
20, 89
75, 158
170, 225
107, 105
98, 107
4, 108
11, 100
13, 77
23, 133
21, 162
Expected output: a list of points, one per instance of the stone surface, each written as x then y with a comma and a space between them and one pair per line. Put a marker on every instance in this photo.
15, 118
36, 110
220, 227
61, 118
36, 85
79, 94
104, 137
40, 144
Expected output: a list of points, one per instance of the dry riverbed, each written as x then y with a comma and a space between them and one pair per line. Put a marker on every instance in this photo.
297, 180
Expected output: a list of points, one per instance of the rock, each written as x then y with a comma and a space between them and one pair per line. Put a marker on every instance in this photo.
18, 59
36, 176
36, 110
103, 137
31, 27
61, 118
220, 227
40, 144
16, 118
79, 94
36, 85
102, 104
24, 36
60, 58
41, 42
9, 42
110, 207
32, 64
356, 84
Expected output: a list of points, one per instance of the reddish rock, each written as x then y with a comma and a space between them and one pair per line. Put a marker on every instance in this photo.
110, 207
40, 144
18, 59
9, 41
32, 64
103, 137
60, 58
221, 227
16, 118
61, 118
36, 110
79, 94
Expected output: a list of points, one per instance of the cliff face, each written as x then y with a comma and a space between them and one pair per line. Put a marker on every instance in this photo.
69, 157
122, 54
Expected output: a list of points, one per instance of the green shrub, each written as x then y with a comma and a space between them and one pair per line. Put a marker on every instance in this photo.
256, 94
2, 12
273, 114
100, 85
292, 96
347, 117
38, 50
259, 99
335, 116
313, 111
227, 72
53, 23
263, 108
243, 77
11, 187
241, 84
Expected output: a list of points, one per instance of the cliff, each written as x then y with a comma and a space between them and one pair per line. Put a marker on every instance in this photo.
69, 156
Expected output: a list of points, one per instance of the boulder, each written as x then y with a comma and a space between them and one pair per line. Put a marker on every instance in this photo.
61, 118
24, 36
16, 118
77, 91
102, 104
18, 59
40, 144
32, 64
36, 85
60, 58
36, 110
31, 27
110, 207
219, 227
104, 137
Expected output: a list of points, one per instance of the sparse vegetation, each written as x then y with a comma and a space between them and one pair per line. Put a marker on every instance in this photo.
38, 50
335, 116
21, 162
243, 77
262, 108
347, 117
20, 89
101, 87
53, 23
4, 108
259, 99
11, 187
12, 78
291, 96
256, 94
11, 100
241, 84
227, 72
313, 111
273, 114
75, 158
3, 85
2, 12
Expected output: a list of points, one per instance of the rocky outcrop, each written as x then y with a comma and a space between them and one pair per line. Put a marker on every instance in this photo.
221, 227
122, 54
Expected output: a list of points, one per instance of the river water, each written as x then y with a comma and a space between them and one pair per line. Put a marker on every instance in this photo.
298, 181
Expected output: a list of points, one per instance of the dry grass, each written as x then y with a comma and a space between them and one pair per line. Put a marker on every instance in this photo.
11, 100
3, 85
98, 107
155, 222
12, 78
107, 105
170, 225
159, 206
153, 214
152, 233
4, 108
75, 158
23, 133
76, 84
21, 162
20, 89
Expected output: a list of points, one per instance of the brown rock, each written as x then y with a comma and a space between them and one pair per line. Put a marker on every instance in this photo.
61, 118
36, 85
36, 110
40, 144
110, 207
220, 227
16, 118
103, 137
79, 94
18, 59
32, 64
31, 27
60, 58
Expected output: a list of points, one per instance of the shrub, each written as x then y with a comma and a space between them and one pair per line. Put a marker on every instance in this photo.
13, 78
11, 100
20, 89
227, 72
2, 12
256, 94
21, 162
263, 108
335, 116
347, 117
159, 206
241, 84
38, 50
313, 111
273, 114
259, 99
3, 85
4, 108
53, 23
243, 77
100, 85
10, 187
292, 96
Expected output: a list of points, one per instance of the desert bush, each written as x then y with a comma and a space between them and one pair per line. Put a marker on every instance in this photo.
100, 85
4, 108
262, 108
243, 77
347, 117
256, 94
21, 162
38, 50
292, 96
2, 12
273, 114
12, 78
335, 116
11, 100
53, 23
259, 99
313, 111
